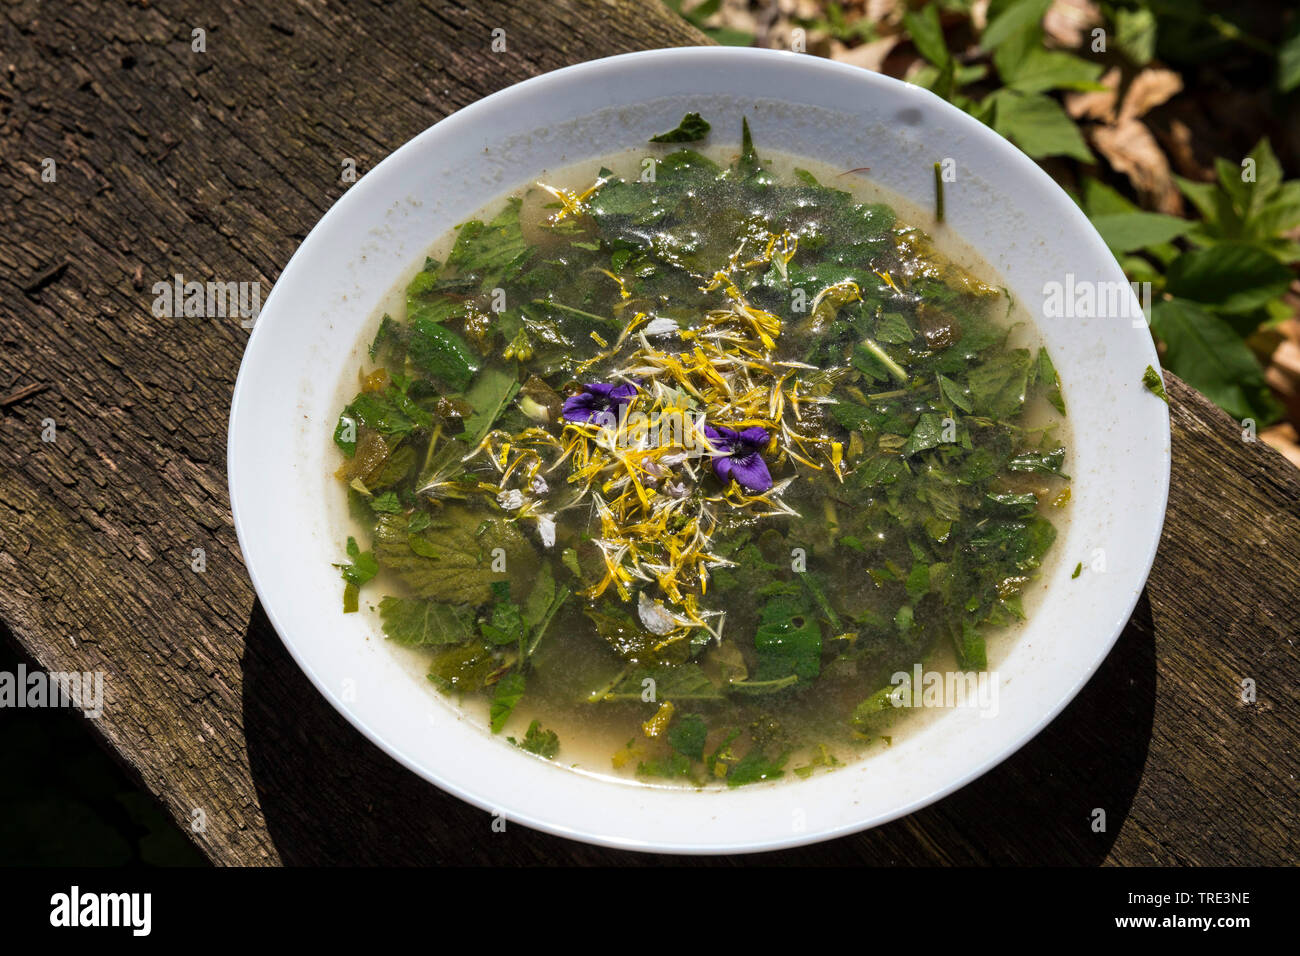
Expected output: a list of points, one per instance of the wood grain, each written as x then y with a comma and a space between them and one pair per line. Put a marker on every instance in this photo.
215, 165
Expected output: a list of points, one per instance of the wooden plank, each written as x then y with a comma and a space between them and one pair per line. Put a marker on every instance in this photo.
215, 165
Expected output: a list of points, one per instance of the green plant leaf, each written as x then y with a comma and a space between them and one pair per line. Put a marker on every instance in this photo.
1038, 125
1011, 19
1128, 231
927, 34
1135, 34
1204, 351
1228, 277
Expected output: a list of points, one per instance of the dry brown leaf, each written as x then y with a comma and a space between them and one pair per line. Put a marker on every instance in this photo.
1283, 438
1067, 21
1148, 90
1130, 149
1095, 104
869, 56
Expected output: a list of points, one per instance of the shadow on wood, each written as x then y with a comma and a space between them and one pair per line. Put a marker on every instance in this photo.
330, 797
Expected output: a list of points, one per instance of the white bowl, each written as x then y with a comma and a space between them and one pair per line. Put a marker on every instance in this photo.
287, 506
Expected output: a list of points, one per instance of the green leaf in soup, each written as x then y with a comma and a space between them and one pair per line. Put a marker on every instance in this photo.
956, 394
788, 640
544, 743
496, 250
663, 682
464, 668
492, 391
376, 410
453, 559
998, 385
345, 434
509, 691
505, 621
1049, 381
426, 299
441, 354
755, 767
1204, 351
687, 735
412, 622
360, 568
1042, 463
969, 643
928, 433
693, 127
386, 503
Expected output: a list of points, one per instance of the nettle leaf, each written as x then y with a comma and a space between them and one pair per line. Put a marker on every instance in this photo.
376, 410
493, 390
451, 559
440, 353
544, 743
426, 298
360, 568
788, 640
667, 682
956, 394
413, 622
1042, 463
1038, 125
1228, 277
386, 503
687, 736
496, 250
505, 621
1049, 381
509, 691
927, 434
693, 127
1205, 351
998, 386
754, 767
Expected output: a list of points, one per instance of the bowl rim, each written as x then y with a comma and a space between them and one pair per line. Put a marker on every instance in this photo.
1076, 224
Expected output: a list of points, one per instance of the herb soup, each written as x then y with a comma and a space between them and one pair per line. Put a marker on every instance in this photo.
666, 467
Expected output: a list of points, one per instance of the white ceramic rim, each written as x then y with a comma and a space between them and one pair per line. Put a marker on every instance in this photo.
554, 799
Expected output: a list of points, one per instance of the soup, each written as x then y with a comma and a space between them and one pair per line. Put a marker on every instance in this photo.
683, 470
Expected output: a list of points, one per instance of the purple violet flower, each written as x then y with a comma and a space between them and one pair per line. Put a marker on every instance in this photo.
742, 457
599, 402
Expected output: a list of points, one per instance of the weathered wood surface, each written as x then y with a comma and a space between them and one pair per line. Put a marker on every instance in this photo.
215, 165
